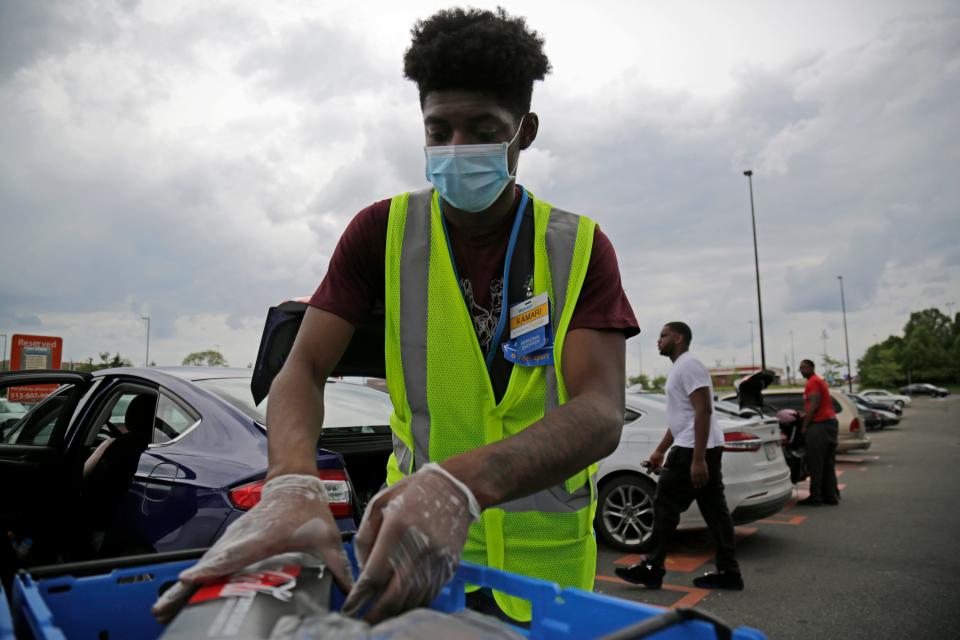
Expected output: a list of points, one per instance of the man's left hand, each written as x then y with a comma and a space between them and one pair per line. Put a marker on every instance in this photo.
698, 473
409, 543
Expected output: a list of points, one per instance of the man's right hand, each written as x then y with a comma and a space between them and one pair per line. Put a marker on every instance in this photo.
655, 461
293, 515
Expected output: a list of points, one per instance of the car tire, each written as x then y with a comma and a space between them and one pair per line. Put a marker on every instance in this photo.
900, 403
625, 511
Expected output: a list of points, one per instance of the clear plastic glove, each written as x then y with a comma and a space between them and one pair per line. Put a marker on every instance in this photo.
293, 515
409, 542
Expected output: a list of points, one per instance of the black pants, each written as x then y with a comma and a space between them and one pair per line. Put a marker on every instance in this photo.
675, 494
821, 442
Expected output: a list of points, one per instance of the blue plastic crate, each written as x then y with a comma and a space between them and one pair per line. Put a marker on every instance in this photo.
118, 603
6, 622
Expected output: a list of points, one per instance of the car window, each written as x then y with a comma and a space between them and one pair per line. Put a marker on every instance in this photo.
173, 420
630, 415
112, 419
794, 401
785, 400
37, 426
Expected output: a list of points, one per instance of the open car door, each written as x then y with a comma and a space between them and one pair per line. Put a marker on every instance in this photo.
363, 357
38, 492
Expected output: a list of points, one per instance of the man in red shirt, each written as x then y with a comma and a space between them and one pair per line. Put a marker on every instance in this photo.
820, 431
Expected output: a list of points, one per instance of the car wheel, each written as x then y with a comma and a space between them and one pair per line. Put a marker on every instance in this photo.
900, 403
625, 512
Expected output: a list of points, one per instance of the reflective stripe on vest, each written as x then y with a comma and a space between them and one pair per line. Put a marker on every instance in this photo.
414, 286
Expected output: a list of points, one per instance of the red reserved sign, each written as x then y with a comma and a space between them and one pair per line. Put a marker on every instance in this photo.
30, 353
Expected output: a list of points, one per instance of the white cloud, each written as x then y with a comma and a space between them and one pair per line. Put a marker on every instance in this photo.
197, 163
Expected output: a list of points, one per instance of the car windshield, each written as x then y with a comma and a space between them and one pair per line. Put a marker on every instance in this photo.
345, 404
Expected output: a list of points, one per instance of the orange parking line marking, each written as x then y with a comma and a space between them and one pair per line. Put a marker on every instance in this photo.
687, 561
692, 597
684, 562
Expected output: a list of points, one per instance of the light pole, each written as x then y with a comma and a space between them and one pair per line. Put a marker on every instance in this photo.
6, 367
146, 359
846, 338
756, 264
793, 360
753, 353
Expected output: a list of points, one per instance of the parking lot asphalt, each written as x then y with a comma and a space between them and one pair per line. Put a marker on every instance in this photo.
884, 563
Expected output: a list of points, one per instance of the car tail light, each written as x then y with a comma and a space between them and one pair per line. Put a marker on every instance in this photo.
741, 441
855, 425
334, 481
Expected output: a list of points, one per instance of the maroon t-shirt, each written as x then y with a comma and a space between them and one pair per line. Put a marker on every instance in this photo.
355, 277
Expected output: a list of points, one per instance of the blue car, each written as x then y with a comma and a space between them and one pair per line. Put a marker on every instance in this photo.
140, 460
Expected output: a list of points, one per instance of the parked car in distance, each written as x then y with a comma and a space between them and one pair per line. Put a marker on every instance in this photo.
882, 395
924, 389
895, 409
874, 415
852, 433
755, 476
199, 465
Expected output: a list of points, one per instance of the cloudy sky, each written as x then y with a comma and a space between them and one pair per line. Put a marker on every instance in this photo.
197, 161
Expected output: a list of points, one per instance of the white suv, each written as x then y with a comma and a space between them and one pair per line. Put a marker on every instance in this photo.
755, 476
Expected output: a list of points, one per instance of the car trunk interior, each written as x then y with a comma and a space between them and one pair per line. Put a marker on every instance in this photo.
365, 451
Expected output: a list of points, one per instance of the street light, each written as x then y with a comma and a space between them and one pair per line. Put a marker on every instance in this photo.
753, 353
846, 339
756, 264
146, 359
6, 366
793, 360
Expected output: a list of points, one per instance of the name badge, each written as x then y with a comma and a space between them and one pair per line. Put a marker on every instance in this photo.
529, 315
531, 336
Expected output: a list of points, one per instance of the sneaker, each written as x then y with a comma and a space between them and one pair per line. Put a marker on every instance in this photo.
649, 576
809, 502
721, 580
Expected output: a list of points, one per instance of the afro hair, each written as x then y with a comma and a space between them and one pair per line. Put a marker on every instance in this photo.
477, 50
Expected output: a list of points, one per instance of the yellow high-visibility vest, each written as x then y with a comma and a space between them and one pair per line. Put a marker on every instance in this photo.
443, 401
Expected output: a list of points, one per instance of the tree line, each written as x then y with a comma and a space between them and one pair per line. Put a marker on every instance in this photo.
208, 358
928, 351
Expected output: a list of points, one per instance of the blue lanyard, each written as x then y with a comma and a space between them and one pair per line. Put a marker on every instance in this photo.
511, 246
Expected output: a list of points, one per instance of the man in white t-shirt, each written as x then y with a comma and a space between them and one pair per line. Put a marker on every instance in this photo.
692, 469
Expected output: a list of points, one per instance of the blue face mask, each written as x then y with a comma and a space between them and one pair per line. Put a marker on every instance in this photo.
470, 176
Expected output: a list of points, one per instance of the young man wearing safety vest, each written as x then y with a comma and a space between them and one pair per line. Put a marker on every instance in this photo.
505, 330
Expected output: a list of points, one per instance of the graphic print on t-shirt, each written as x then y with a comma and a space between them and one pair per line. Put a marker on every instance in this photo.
484, 320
